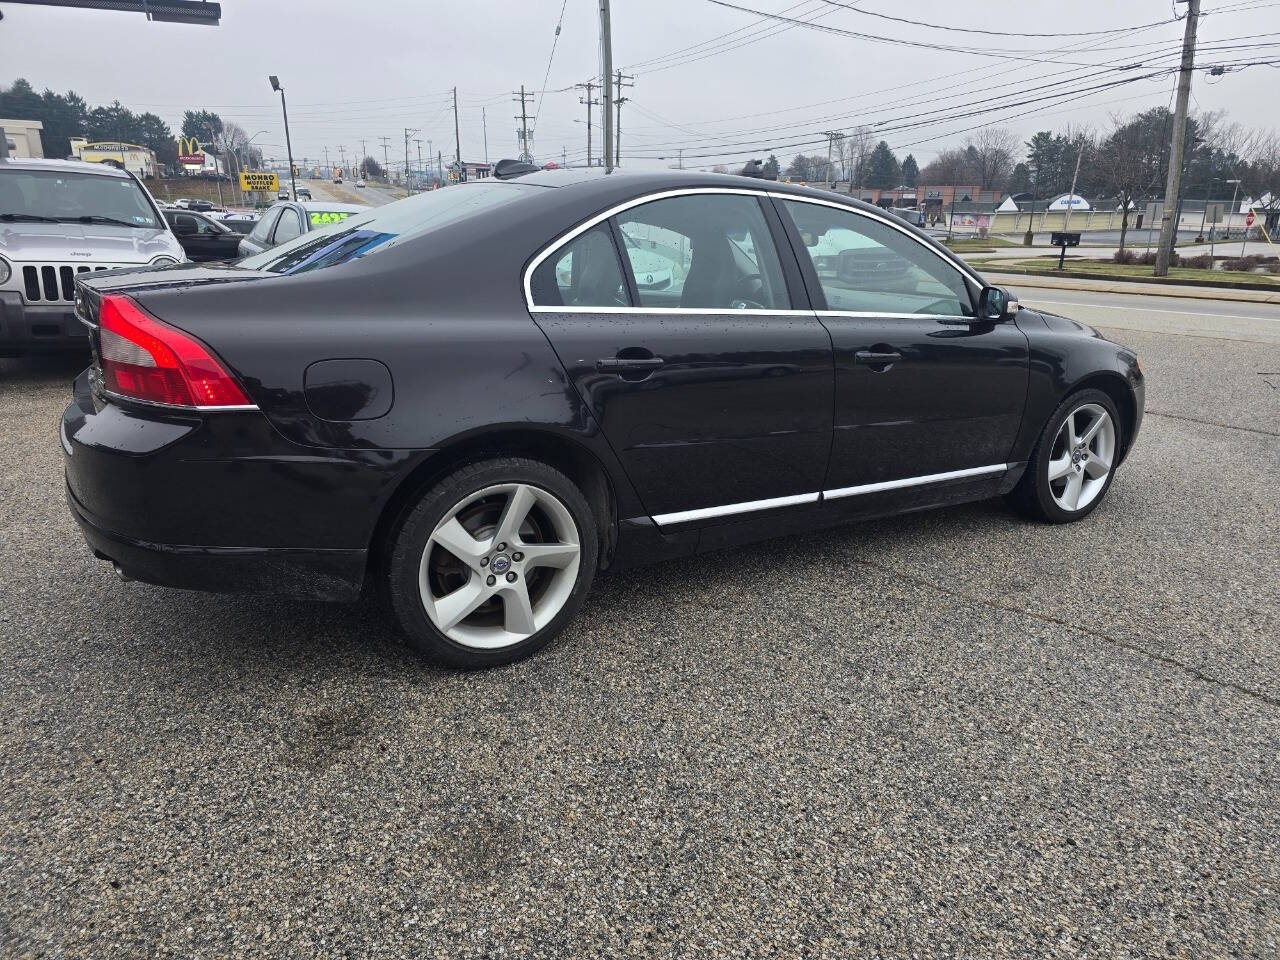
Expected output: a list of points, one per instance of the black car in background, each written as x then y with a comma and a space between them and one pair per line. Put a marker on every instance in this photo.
466, 401
203, 238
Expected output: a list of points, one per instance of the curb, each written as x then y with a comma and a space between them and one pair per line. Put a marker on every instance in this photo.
1138, 288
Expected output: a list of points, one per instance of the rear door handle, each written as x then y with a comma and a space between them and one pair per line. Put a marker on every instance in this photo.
629, 363
876, 357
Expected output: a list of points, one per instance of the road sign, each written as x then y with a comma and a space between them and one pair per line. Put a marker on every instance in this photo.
1248, 220
1213, 213
258, 180
1155, 210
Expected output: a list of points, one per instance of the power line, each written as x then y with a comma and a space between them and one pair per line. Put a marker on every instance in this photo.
996, 33
547, 76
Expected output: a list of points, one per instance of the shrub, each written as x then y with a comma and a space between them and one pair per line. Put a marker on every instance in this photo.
1200, 262
1239, 264
1123, 256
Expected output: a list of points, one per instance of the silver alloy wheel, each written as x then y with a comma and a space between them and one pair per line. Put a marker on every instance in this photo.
1081, 457
532, 539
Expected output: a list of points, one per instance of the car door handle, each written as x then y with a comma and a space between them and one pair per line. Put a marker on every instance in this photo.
876, 358
629, 363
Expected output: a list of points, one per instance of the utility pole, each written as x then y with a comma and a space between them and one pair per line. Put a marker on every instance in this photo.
408, 188
419, 143
364, 157
328, 169
342, 159
831, 139
386, 161
484, 125
606, 54
590, 102
1071, 202
439, 168
1169, 219
523, 131
457, 138
681, 160
619, 100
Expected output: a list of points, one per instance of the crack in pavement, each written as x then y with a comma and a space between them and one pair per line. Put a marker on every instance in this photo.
1128, 645
1211, 423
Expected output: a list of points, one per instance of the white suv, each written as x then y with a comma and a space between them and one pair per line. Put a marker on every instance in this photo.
60, 218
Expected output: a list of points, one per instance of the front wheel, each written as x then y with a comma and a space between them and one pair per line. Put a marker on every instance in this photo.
1074, 460
492, 562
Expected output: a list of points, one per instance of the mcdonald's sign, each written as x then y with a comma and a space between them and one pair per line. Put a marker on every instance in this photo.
190, 153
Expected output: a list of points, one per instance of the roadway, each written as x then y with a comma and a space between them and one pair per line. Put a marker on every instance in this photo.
954, 733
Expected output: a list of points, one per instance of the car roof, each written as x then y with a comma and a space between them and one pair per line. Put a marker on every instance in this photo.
70, 166
339, 207
635, 182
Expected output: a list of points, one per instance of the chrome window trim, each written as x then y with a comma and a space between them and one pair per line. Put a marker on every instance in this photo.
874, 314
599, 218
727, 509
713, 311
913, 481
960, 267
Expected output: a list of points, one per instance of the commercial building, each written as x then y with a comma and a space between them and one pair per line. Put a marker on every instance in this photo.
22, 137
138, 160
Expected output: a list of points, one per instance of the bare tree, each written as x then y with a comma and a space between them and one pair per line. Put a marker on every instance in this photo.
861, 142
991, 151
1128, 163
949, 166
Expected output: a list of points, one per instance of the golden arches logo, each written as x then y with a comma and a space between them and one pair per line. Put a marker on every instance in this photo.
190, 147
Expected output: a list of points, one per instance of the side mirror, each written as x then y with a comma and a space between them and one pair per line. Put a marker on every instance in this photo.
996, 304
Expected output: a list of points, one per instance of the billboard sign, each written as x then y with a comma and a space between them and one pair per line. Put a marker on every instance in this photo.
190, 153
260, 180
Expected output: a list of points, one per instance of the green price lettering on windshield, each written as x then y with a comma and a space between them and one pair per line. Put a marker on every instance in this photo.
322, 218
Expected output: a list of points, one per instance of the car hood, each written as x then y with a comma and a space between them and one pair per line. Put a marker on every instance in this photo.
90, 242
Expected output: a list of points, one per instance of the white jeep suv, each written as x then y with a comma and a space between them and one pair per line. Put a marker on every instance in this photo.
60, 218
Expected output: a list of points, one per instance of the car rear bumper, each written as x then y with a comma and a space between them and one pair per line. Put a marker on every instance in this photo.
222, 502
44, 328
322, 574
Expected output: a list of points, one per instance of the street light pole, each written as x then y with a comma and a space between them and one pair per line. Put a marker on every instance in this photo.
288, 144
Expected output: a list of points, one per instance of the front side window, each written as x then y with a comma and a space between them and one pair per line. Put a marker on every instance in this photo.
583, 273
865, 266
265, 225
703, 251
290, 226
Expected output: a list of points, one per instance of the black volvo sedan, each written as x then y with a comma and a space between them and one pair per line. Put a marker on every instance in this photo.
474, 399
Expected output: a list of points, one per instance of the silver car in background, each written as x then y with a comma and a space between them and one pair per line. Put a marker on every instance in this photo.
60, 218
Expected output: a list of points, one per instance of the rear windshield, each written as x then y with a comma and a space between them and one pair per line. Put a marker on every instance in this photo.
68, 197
359, 234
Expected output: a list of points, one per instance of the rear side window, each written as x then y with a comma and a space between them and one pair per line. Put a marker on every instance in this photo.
705, 251
585, 272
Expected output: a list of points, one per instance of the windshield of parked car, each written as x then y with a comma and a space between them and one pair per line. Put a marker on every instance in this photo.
67, 197
359, 234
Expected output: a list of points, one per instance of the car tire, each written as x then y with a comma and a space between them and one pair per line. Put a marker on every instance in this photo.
520, 589
1057, 467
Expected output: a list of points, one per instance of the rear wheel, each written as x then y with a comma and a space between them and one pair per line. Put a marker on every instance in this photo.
492, 562
1074, 461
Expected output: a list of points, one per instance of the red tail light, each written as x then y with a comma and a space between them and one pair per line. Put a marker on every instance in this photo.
146, 359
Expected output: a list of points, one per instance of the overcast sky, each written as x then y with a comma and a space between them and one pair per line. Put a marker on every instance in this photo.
720, 83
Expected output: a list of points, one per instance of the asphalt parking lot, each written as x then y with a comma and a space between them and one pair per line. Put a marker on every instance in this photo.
952, 734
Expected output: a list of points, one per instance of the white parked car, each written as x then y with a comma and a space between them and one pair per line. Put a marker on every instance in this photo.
60, 219
359, 183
